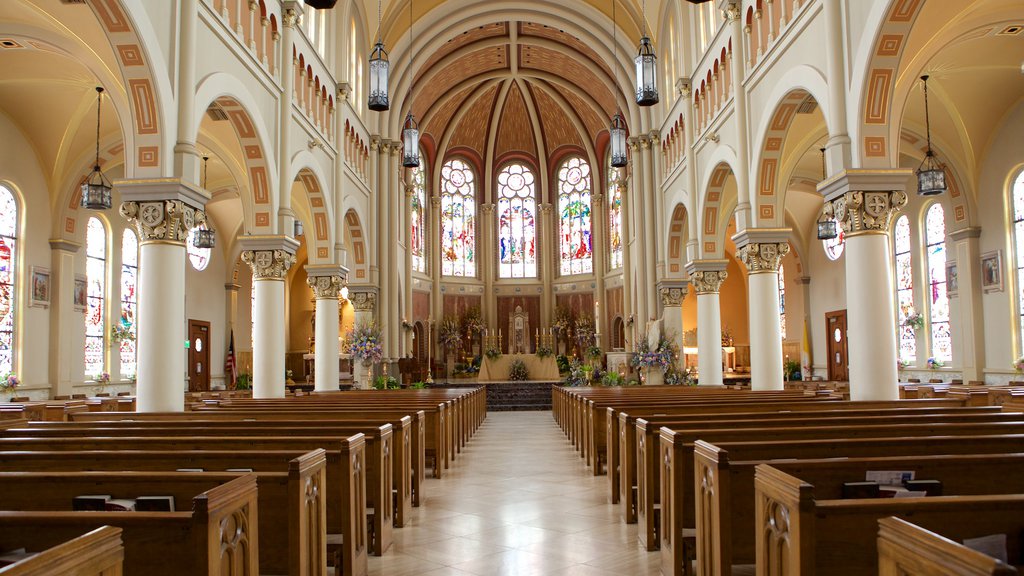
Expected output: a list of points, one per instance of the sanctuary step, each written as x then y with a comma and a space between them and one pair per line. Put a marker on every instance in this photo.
509, 396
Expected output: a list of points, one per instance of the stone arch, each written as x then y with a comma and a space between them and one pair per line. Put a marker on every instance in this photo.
319, 236
677, 236
221, 91
359, 269
713, 213
135, 47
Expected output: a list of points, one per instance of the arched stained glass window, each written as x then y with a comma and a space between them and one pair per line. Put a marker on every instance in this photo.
96, 283
8, 276
418, 217
458, 219
782, 300
614, 220
1018, 236
198, 257
574, 217
904, 289
517, 222
129, 300
935, 231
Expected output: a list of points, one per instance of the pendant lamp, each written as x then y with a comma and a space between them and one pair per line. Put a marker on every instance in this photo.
96, 188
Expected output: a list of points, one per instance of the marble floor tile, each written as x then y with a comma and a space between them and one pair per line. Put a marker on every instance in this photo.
517, 500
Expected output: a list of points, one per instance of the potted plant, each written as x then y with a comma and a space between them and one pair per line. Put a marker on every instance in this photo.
243, 381
517, 371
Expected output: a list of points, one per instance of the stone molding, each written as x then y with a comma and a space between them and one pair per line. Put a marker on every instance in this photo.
268, 264
866, 212
162, 220
672, 297
763, 256
363, 301
708, 281
325, 287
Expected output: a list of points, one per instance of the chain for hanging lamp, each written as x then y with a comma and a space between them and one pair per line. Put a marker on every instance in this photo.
96, 188
826, 226
617, 130
646, 67
379, 67
931, 177
411, 130
204, 236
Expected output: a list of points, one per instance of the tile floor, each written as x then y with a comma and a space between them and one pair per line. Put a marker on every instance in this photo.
517, 501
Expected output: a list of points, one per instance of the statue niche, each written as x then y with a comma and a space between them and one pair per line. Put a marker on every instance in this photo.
519, 332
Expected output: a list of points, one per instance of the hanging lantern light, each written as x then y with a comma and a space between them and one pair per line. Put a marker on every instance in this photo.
297, 229
96, 188
204, 236
931, 177
618, 142
827, 229
646, 68
410, 143
379, 66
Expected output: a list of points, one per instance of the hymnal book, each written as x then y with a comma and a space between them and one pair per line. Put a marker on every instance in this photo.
90, 503
852, 490
239, 470
154, 504
190, 470
121, 505
932, 487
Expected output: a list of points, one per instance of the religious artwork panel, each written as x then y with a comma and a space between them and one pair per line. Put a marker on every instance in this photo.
574, 217
126, 328
517, 226
95, 273
8, 261
904, 289
935, 233
614, 222
417, 216
458, 219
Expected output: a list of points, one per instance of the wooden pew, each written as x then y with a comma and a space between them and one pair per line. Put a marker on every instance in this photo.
905, 549
96, 553
799, 534
295, 493
725, 496
219, 536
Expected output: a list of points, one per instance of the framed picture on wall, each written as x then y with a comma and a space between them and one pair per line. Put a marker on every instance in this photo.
992, 271
952, 280
39, 292
80, 293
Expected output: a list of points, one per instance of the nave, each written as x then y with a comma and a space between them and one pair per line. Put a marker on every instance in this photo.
518, 500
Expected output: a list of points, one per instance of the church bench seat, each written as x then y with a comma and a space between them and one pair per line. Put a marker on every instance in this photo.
799, 533
905, 549
724, 498
217, 537
375, 470
99, 552
678, 476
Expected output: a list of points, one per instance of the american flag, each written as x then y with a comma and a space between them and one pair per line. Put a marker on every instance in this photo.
229, 363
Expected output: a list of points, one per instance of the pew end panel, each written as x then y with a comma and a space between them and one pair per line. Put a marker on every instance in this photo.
905, 549
226, 528
355, 544
97, 553
783, 516
307, 514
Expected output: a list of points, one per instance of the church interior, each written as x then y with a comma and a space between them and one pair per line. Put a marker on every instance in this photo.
688, 233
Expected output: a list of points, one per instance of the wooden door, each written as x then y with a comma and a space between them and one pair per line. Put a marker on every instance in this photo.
198, 356
835, 334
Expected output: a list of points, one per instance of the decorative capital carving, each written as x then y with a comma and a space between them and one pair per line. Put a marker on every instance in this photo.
162, 220
731, 13
344, 89
325, 287
866, 212
708, 281
763, 256
645, 143
290, 17
363, 301
268, 264
597, 200
683, 87
487, 209
672, 297
435, 201
547, 209
375, 143
633, 143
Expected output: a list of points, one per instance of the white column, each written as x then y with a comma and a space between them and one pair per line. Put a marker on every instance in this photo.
290, 16
162, 212
965, 309
672, 294
65, 321
326, 282
637, 277
650, 227
762, 260
838, 146
186, 155
628, 310
707, 277
733, 15
270, 257
866, 202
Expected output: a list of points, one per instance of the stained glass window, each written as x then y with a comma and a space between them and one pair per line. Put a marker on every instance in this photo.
935, 231
129, 299
614, 220
458, 219
198, 257
782, 300
904, 289
95, 277
1018, 237
834, 246
416, 236
8, 255
517, 222
574, 217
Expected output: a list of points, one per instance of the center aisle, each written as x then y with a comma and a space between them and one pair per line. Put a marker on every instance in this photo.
518, 501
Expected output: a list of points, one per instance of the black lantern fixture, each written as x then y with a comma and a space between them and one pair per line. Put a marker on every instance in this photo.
96, 188
646, 67
379, 66
617, 142
931, 177
321, 4
297, 229
826, 227
204, 235
411, 131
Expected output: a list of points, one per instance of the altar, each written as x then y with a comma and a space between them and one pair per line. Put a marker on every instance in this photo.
496, 370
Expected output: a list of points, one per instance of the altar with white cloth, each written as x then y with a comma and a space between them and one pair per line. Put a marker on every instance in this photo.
496, 370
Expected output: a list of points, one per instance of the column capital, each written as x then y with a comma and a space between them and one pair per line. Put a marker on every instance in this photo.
64, 245
956, 235
683, 87
673, 292
763, 256
375, 143
291, 13
707, 275
269, 256
435, 201
597, 199
344, 89
634, 143
487, 209
325, 287
166, 221
547, 209
731, 12
232, 287
805, 280
364, 300
866, 201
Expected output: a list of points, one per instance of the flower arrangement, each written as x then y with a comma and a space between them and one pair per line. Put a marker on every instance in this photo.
675, 377
901, 363
10, 383
121, 332
243, 381
364, 343
543, 352
473, 322
492, 353
660, 357
934, 363
418, 386
517, 371
563, 321
1018, 365
727, 339
102, 379
577, 376
594, 352
288, 375
913, 319
448, 332
584, 326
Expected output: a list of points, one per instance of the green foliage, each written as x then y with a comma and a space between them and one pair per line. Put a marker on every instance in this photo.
613, 379
243, 381
385, 383
493, 353
543, 352
789, 368
594, 352
563, 363
418, 386
517, 371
